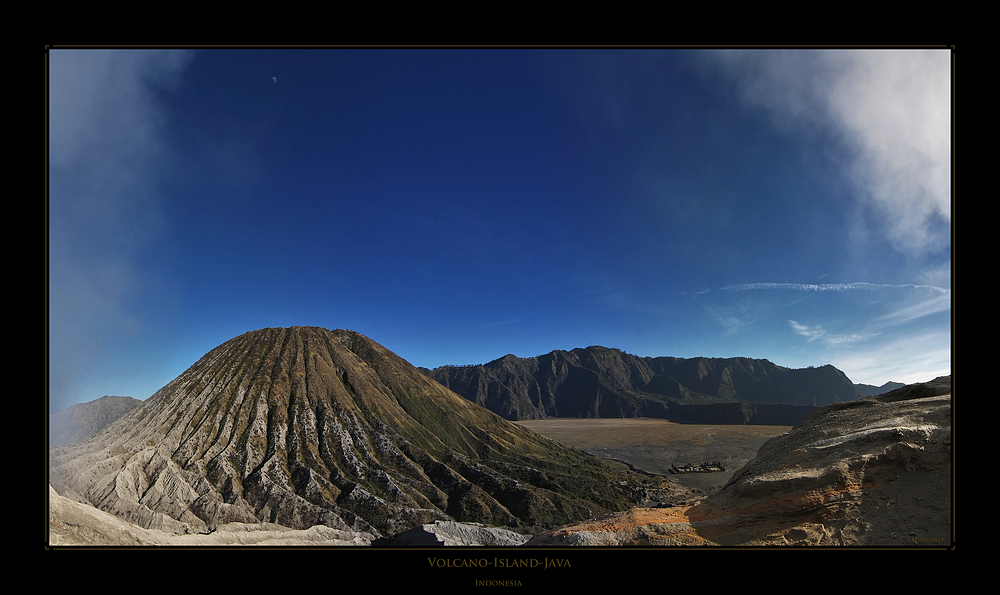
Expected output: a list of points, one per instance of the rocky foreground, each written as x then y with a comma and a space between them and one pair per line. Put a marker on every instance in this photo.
872, 472
75, 524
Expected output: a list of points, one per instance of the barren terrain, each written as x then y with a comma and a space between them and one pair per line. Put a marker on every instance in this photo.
872, 472
649, 445
653, 445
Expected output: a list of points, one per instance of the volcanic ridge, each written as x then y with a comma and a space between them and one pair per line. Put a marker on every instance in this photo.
306, 426
305, 435
600, 382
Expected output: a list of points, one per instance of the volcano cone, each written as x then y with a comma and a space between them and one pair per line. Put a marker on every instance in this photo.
306, 426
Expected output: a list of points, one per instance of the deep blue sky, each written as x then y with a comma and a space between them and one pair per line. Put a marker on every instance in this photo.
459, 205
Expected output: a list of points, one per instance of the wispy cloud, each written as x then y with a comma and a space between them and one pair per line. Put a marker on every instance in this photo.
926, 300
917, 309
890, 305
873, 331
915, 358
890, 108
507, 322
733, 320
829, 287
733, 317
817, 332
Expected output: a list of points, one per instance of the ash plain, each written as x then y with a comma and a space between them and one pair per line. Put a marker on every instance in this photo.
654, 445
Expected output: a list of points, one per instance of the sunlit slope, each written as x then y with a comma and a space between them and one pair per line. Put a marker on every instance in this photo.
303, 426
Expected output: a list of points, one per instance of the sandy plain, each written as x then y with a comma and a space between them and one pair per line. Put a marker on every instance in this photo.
653, 445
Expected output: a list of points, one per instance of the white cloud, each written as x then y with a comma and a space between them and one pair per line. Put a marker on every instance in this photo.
895, 107
812, 333
838, 314
916, 308
892, 110
917, 358
831, 339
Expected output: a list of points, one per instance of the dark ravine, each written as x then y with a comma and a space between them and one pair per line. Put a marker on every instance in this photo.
305, 426
602, 382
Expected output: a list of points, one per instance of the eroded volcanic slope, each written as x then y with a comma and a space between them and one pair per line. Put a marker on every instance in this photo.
83, 420
872, 472
603, 382
303, 426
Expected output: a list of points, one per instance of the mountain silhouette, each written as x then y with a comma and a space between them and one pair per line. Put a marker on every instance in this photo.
870, 390
602, 382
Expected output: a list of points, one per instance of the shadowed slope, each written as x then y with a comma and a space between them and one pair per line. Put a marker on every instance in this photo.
602, 382
306, 426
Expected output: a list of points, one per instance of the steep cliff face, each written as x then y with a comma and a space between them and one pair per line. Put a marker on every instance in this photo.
305, 426
872, 472
602, 382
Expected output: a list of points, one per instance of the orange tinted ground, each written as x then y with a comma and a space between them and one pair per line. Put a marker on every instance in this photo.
701, 524
643, 526
637, 517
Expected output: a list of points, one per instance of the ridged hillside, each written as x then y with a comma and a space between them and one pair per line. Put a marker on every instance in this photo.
303, 426
602, 382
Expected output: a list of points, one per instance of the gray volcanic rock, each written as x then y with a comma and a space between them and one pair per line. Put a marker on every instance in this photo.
306, 426
601, 382
450, 533
873, 472
75, 524
84, 420
876, 471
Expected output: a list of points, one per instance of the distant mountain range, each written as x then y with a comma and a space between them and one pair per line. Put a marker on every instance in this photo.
602, 382
868, 390
512, 388
83, 420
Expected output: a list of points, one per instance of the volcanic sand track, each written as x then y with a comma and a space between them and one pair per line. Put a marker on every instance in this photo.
653, 445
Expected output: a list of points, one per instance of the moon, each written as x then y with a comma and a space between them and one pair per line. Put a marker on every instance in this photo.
274, 78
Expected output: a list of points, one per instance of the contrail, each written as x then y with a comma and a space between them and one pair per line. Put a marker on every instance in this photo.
828, 286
